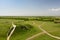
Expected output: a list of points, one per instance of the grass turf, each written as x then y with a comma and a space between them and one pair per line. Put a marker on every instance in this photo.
51, 27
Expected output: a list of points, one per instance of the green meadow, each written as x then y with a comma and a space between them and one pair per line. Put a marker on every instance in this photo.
28, 26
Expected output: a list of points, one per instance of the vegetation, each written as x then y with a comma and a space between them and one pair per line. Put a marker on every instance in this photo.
44, 37
28, 26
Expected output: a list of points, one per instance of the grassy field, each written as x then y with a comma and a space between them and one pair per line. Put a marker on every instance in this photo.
51, 27
5, 24
44, 37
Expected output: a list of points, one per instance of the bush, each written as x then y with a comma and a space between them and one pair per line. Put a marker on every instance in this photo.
22, 29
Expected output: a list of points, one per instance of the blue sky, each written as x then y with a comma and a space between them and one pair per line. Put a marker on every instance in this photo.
29, 7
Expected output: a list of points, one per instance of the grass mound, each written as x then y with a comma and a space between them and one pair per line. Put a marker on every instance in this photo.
22, 29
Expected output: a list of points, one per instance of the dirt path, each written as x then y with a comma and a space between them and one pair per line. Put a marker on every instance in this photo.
8, 38
34, 36
44, 31
48, 33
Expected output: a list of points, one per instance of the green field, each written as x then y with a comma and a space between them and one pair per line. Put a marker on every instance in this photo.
50, 27
19, 34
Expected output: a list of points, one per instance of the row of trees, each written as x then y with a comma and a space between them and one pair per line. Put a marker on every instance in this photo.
32, 18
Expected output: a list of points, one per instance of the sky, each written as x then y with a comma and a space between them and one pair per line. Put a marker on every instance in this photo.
29, 7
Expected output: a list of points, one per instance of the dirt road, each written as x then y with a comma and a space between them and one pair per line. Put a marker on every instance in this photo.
34, 36
48, 33
44, 31
8, 38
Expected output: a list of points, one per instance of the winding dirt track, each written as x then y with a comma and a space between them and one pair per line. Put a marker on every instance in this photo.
34, 36
44, 31
8, 38
48, 33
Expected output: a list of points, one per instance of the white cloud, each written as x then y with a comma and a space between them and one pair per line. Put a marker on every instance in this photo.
55, 9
